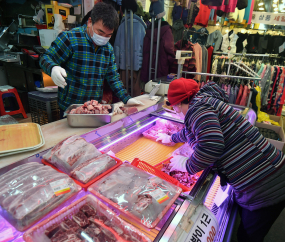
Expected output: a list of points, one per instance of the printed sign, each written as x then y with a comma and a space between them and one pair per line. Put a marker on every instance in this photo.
60, 187
268, 18
205, 227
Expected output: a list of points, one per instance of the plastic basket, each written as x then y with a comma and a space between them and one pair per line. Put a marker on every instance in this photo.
85, 186
36, 233
157, 172
43, 107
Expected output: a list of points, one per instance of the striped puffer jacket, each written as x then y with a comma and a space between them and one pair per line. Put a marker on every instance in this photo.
222, 139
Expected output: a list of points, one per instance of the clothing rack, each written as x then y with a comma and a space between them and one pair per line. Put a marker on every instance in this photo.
240, 54
132, 49
151, 47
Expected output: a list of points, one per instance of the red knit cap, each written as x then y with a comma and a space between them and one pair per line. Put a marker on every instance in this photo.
180, 89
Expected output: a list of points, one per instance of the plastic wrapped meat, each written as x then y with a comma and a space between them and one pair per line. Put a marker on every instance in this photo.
81, 219
142, 196
184, 150
92, 168
104, 226
163, 127
92, 107
183, 177
28, 197
88, 210
70, 153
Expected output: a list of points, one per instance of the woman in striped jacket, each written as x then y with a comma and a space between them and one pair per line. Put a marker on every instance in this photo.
222, 139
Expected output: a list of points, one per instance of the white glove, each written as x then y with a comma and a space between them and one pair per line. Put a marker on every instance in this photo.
57, 74
164, 138
178, 163
117, 107
133, 102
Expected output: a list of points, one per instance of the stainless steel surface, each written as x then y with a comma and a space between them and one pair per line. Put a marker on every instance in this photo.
158, 114
87, 120
126, 48
9, 57
157, 47
179, 72
151, 48
132, 52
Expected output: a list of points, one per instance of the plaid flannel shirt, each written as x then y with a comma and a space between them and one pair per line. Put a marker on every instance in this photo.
86, 67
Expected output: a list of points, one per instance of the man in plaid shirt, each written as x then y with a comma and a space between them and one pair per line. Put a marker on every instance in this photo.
79, 60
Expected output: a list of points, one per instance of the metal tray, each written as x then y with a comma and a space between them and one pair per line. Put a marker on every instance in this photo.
87, 120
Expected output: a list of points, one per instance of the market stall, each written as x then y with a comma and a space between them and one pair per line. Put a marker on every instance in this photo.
203, 199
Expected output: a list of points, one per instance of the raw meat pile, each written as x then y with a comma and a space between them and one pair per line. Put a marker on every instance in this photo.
143, 196
91, 107
184, 150
183, 177
163, 126
79, 159
26, 193
89, 224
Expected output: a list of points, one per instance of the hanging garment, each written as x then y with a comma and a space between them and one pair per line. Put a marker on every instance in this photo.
212, 2
236, 16
261, 69
275, 89
244, 98
203, 15
265, 77
232, 96
179, 12
248, 11
192, 13
177, 30
210, 54
204, 62
236, 93
253, 100
229, 90
230, 7
165, 55
252, 43
263, 72
200, 37
229, 42
240, 40
258, 98
198, 56
263, 44
239, 96
189, 64
242, 4
272, 85
280, 87
212, 14
266, 89
156, 9
138, 38
215, 40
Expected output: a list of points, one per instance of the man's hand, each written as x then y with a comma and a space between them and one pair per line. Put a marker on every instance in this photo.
178, 163
117, 107
133, 102
57, 74
164, 138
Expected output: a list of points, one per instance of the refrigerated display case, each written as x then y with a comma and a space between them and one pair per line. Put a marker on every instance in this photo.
124, 138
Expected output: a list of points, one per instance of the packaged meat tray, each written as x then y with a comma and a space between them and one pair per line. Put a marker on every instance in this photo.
165, 127
80, 160
30, 191
87, 219
142, 196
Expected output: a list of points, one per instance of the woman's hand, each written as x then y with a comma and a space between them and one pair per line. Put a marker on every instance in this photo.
178, 163
164, 138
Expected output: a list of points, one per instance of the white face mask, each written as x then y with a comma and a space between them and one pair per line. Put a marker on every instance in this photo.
99, 40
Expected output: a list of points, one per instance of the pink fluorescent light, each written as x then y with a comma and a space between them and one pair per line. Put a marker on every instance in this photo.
104, 147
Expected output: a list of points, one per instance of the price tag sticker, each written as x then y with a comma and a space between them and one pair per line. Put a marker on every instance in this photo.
244, 43
7, 235
159, 196
60, 187
205, 227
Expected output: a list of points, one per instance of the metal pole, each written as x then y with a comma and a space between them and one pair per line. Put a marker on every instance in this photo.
240, 54
157, 47
151, 48
126, 50
179, 72
132, 52
249, 98
218, 75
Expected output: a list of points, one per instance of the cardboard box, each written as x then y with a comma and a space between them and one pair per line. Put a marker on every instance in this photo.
277, 119
279, 130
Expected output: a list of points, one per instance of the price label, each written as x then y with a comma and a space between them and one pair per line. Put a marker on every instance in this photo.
205, 227
244, 43
60, 187
159, 196
7, 235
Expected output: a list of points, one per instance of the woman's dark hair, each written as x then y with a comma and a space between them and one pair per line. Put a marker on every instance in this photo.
185, 101
106, 13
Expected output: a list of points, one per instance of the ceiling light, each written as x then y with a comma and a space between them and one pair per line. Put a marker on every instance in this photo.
275, 12
275, 1
276, 9
261, 8
260, 4
282, 11
274, 5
